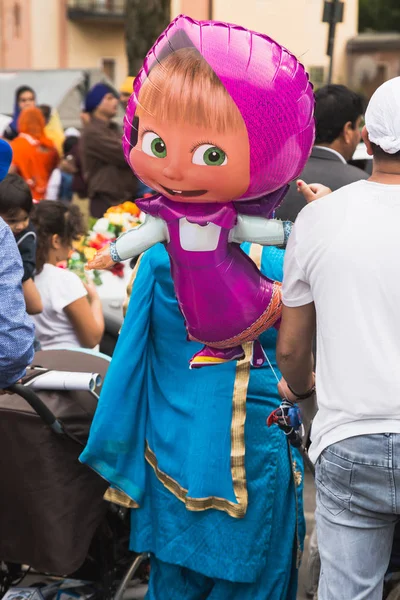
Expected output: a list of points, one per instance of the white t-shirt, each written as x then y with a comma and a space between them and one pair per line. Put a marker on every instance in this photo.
58, 288
343, 255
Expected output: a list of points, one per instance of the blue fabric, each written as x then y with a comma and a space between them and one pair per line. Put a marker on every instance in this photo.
186, 417
172, 582
96, 95
5, 158
13, 126
65, 192
16, 328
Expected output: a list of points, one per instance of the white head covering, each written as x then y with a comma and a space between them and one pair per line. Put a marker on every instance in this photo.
382, 117
72, 132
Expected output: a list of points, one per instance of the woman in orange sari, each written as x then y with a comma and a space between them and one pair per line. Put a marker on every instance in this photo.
34, 154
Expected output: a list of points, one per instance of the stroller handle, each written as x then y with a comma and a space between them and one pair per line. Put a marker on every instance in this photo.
38, 406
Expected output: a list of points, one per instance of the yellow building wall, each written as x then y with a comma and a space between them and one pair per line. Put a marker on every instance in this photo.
45, 36
15, 35
86, 46
295, 24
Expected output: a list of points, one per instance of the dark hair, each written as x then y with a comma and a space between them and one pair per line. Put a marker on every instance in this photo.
380, 154
52, 217
69, 143
46, 111
335, 105
21, 90
15, 195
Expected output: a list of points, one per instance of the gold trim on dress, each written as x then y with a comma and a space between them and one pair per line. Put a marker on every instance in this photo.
120, 498
129, 287
237, 510
113, 495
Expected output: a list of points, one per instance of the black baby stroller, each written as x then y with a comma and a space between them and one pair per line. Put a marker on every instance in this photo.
52, 513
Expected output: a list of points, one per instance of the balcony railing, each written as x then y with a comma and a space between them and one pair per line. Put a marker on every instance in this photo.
110, 11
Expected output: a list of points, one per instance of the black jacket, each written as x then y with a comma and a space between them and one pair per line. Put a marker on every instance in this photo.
26, 242
324, 167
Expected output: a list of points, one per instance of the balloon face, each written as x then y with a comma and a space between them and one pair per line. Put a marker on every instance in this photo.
198, 165
203, 79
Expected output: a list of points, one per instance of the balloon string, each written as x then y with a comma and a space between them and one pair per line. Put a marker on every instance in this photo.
272, 368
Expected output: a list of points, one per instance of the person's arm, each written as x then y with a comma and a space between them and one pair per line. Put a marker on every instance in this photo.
105, 147
16, 329
86, 316
297, 328
32, 297
131, 243
294, 349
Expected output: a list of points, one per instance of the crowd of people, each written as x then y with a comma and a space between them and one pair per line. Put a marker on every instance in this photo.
58, 179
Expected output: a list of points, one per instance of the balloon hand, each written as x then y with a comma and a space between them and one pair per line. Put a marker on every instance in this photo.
102, 260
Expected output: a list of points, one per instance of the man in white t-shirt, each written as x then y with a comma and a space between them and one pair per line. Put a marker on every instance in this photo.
342, 278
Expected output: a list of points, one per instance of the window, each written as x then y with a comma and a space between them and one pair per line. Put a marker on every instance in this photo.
108, 68
17, 19
317, 75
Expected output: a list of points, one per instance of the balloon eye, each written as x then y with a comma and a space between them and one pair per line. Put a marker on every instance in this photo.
153, 145
208, 155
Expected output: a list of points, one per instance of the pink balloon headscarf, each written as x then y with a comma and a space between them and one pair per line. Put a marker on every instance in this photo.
268, 85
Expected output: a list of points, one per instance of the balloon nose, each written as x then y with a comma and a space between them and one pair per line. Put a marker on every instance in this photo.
173, 171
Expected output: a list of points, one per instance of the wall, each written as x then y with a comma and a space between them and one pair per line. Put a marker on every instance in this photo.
86, 46
303, 33
45, 31
15, 47
198, 10
369, 69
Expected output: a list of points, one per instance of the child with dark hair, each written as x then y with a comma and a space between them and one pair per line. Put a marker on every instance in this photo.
72, 313
15, 208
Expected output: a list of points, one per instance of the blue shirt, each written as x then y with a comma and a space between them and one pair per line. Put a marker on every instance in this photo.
16, 328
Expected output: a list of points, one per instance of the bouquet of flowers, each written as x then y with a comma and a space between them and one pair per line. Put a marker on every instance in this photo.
116, 220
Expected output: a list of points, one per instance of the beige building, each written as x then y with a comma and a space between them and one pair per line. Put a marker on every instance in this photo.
296, 24
63, 34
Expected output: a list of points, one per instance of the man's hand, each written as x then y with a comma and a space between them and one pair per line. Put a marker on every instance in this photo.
102, 260
313, 191
284, 391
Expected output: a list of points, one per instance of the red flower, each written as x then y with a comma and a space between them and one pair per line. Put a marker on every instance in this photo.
99, 242
118, 270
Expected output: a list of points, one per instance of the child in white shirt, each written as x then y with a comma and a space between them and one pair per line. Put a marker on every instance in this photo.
72, 314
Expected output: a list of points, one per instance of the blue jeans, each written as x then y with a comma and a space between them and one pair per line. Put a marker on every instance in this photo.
358, 503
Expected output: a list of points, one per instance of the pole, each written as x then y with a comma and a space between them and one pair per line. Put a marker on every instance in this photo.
210, 10
333, 14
